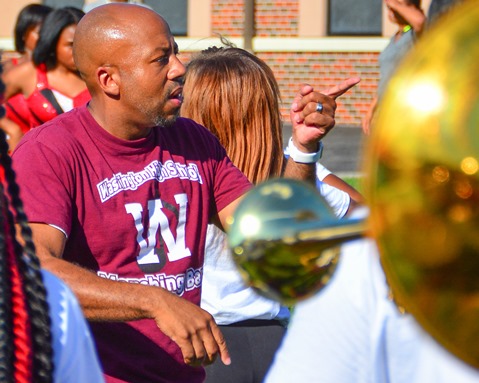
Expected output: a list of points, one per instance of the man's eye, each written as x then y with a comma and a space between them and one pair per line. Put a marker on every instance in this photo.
163, 60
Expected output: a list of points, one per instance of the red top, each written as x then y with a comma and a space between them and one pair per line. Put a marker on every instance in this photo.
16, 109
42, 103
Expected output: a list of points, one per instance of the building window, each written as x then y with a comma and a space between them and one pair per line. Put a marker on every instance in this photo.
353, 17
64, 3
174, 12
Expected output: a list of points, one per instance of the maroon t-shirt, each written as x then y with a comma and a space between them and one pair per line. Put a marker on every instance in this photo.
133, 211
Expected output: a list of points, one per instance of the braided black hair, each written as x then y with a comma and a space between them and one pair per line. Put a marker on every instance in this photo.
26, 353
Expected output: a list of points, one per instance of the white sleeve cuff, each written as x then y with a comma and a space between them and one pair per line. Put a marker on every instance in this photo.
321, 172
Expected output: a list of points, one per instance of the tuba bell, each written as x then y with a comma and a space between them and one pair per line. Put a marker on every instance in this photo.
422, 186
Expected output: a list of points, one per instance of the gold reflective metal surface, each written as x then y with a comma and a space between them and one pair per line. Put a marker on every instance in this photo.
422, 168
423, 189
284, 238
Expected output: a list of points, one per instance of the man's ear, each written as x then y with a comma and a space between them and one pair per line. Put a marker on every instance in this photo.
109, 80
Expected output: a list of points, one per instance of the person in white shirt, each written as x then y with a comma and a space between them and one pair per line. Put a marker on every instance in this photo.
352, 331
235, 95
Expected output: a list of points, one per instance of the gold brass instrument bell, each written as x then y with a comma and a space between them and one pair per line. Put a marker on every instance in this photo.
422, 185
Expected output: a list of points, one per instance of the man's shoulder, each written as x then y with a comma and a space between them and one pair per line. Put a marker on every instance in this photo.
187, 122
58, 131
192, 127
191, 140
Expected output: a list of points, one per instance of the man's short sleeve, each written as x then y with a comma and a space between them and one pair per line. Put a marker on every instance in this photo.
230, 184
45, 181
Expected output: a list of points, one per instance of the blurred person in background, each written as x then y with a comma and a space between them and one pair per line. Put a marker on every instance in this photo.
50, 83
26, 33
439, 7
410, 20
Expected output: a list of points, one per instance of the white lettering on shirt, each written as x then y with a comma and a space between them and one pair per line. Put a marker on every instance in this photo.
156, 170
177, 284
156, 218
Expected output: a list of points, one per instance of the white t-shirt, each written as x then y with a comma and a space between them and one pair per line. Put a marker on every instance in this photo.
74, 354
225, 295
351, 332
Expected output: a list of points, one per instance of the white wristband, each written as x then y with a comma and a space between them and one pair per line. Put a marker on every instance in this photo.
304, 158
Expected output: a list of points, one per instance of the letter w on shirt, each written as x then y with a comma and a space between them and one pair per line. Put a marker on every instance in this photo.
158, 220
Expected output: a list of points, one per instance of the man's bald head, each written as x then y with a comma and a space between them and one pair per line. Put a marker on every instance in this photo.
128, 59
106, 34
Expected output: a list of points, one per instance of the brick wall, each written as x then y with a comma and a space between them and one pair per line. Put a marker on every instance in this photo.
321, 69
227, 17
276, 18
272, 18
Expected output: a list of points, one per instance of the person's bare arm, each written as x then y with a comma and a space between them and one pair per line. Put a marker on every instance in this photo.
356, 198
415, 17
367, 121
193, 329
339, 183
13, 132
19, 79
311, 126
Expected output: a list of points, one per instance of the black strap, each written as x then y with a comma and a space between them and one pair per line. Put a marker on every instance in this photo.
48, 94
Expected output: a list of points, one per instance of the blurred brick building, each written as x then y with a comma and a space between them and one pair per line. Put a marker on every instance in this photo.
320, 42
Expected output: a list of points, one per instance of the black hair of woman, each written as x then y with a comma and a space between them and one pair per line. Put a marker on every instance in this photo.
29, 17
52, 27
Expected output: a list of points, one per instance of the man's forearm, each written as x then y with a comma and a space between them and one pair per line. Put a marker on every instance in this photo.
300, 171
102, 299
